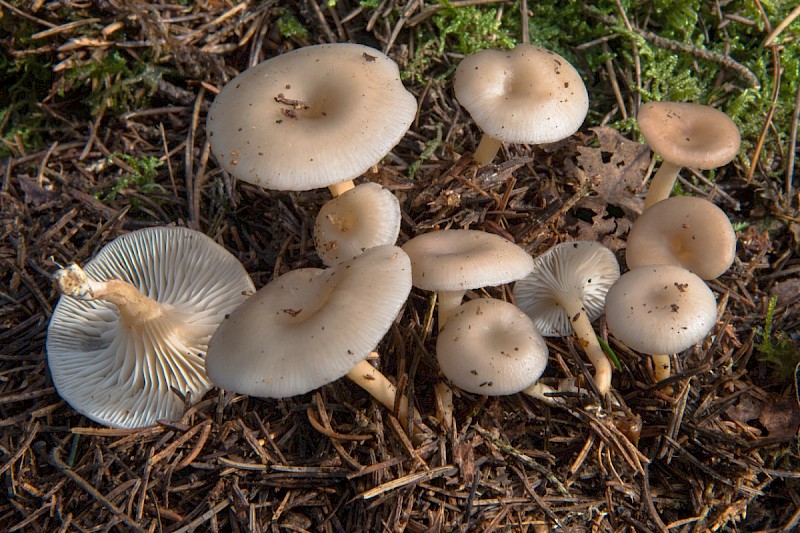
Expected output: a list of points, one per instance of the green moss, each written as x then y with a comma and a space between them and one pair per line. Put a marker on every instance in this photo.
776, 348
117, 84
144, 171
458, 31
289, 26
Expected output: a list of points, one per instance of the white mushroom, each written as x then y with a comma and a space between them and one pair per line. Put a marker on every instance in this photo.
566, 291
491, 347
525, 95
454, 261
309, 327
660, 310
135, 324
361, 218
317, 116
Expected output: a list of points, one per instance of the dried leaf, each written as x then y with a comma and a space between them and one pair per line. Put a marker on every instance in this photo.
35, 194
780, 417
615, 169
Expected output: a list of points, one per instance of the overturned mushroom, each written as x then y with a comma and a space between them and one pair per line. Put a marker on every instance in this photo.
566, 291
133, 326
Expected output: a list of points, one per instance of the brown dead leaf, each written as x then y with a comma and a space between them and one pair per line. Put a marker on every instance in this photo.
776, 417
616, 169
36, 194
606, 229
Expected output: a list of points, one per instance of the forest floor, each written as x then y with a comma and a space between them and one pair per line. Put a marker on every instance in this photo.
102, 116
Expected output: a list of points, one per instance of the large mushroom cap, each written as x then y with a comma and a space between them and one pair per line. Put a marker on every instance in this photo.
660, 309
683, 231
309, 327
363, 217
689, 135
491, 347
122, 374
455, 260
313, 117
524, 95
579, 271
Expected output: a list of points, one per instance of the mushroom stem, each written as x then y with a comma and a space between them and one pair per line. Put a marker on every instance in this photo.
340, 188
540, 391
588, 340
134, 307
371, 380
487, 150
662, 183
662, 367
449, 302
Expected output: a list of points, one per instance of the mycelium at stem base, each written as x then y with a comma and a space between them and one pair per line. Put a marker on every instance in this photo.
134, 307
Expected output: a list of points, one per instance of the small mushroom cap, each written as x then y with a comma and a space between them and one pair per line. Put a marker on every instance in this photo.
491, 347
309, 327
364, 217
576, 271
683, 231
660, 309
689, 135
309, 118
121, 375
461, 259
524, 95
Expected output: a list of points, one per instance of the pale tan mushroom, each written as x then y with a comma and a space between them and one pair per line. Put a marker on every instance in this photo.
683, 231
310, 327
491, 347
361, 218
685, 135
451, 262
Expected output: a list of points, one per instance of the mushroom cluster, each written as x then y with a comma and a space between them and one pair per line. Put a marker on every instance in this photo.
162, 313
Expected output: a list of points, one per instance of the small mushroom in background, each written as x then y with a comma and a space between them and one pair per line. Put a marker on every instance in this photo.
565, 291
685, 135
660, 310
453, 261
491, 347
310, 327
525, 95
317, 116
134, 324
361, 218
683, 231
